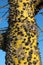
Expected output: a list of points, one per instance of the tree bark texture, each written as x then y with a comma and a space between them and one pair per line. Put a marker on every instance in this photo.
21, 37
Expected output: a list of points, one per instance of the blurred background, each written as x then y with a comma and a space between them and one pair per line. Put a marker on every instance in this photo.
4, 23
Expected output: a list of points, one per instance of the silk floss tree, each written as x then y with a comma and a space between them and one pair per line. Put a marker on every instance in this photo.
20, 39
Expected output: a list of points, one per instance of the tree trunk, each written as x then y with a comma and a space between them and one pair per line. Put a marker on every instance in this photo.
22, 34
2, 43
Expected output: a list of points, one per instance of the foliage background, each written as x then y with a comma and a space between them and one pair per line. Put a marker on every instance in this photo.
4, 23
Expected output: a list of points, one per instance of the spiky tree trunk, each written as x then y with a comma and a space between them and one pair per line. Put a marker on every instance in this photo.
2, 42
22, 34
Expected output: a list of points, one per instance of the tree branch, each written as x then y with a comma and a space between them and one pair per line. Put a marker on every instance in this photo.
4, 6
